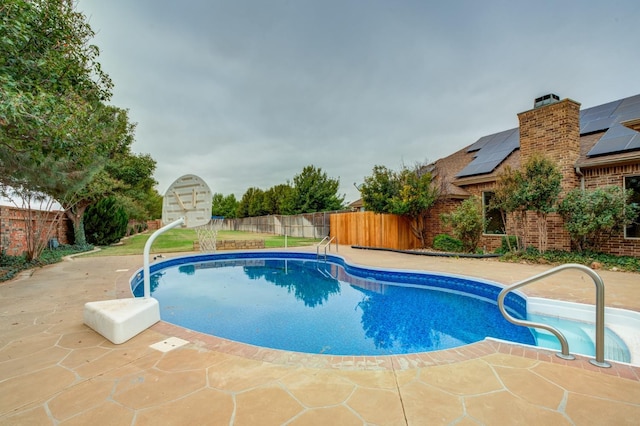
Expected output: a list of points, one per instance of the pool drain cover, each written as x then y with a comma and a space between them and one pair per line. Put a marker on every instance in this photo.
169, 344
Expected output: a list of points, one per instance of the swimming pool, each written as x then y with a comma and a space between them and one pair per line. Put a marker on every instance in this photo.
294, 301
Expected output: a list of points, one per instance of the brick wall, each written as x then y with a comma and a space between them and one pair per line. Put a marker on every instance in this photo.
435, 225
13, 228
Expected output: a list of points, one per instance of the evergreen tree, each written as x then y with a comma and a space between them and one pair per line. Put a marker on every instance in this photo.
105, 222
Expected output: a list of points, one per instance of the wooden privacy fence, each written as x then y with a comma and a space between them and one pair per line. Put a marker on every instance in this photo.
373, 230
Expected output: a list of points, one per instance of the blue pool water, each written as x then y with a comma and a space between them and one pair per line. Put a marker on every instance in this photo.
293, 301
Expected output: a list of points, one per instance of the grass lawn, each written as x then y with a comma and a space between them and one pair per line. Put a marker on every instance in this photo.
181, 240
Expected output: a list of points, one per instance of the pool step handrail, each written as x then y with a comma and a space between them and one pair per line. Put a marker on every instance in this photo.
564, 354
147, 251
324, 243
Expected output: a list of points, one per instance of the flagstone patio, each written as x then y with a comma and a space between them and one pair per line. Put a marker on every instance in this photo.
55, 370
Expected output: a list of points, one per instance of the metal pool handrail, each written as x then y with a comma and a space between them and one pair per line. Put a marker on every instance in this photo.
326, 244
599, 361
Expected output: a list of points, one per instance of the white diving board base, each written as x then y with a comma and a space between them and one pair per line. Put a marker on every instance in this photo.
121, 319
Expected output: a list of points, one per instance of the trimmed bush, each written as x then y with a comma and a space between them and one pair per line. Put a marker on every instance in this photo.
448, 243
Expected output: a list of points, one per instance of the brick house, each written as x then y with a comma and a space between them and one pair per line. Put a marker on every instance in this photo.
593, 147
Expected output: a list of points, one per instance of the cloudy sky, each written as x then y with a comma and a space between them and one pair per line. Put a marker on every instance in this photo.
245, 93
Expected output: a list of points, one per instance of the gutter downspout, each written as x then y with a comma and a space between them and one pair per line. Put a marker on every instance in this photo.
579, 173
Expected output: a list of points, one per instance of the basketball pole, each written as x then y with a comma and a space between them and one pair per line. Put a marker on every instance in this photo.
147, 249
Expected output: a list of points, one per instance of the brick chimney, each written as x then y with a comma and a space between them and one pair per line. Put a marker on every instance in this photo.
552, 128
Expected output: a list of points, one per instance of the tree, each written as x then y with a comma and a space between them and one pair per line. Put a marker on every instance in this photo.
417, 195
106, 222
251, 203
467, 223
379, 189
278, 199
539, 190
410, 193
56, 132
314, 191
593, 216
224, 206
138, 195
112, 137
506, 198
50, 84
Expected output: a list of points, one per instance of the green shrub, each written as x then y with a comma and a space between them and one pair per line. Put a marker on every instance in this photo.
558, 257
448, 243
508, 245
467, 223
105, 222
593, 216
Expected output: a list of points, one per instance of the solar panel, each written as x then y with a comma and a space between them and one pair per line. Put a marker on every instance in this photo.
491, 151
477, 145
617, 137
596, 125
598, 118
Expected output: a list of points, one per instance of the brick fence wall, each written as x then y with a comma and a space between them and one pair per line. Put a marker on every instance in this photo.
13, 228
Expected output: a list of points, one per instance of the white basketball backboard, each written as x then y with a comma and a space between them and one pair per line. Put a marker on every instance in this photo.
189, 197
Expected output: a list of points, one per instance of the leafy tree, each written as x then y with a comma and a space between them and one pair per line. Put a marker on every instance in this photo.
57, 135
591, 217
84, 186
314, 191
417, 195
226, 206
251, 203
50, 85
138, 195
410, 193
278, 199
379, 189
506, 198
539, 190
105, 222
467, 223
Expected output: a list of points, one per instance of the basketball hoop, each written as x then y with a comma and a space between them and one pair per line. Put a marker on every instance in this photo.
188, 197
208, 234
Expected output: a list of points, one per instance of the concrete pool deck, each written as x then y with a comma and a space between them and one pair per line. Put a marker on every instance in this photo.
55, 370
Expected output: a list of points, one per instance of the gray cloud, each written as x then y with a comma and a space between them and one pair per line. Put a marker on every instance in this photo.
246, 93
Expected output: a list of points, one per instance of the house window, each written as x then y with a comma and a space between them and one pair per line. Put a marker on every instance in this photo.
633, 183
493, 223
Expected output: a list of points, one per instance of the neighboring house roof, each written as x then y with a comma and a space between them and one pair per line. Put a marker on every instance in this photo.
357, 204
609, 133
